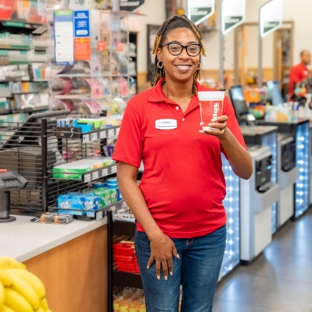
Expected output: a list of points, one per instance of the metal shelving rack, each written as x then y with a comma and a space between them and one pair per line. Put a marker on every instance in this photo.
117, 278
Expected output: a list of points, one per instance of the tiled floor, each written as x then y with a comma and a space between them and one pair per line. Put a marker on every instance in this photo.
279, 280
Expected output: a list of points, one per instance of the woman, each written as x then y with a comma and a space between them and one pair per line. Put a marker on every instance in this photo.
181, 233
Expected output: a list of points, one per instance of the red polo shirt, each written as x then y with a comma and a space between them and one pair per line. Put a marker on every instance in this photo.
297, 74
183, 182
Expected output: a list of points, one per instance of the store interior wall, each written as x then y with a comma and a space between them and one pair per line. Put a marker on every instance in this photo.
155, 14
294, 10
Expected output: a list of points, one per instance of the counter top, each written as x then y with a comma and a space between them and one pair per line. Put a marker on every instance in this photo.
24, 240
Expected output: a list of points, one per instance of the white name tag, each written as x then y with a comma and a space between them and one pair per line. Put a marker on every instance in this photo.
166, 124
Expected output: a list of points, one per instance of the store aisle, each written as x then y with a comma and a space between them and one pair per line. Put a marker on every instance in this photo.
279, 280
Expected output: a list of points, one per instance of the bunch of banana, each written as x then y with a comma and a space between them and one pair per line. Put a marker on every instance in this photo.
20, 290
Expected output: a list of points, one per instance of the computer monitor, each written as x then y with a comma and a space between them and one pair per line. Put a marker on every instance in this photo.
30, 130
274, 93
238, 100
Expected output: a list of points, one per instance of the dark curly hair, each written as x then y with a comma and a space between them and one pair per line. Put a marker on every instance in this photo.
176, 21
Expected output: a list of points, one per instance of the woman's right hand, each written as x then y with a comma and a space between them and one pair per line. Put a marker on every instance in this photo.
162, 250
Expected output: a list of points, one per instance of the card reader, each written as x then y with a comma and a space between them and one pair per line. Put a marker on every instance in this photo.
9, 181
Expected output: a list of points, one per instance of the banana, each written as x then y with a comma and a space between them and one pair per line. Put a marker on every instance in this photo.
25, 290
6, 309
5, 278
1, 295
8, 262
16, 302
44, 304
40, 310
48, 310
31, 279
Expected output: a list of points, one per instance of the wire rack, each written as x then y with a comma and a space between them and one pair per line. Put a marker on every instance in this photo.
32, 149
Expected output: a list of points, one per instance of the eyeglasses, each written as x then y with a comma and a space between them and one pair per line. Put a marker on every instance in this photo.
176, 49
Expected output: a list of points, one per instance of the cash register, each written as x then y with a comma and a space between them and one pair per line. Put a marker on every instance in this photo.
9, 181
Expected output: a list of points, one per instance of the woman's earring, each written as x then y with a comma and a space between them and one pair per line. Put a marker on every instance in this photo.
160, 65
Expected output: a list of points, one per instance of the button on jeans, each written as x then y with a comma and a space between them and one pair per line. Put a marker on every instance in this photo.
197, 271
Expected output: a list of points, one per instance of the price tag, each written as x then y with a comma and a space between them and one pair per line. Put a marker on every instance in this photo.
86, 138
103, 134
99, 215
95, 175
87, 177
104, 172
94, 136
110, 132
114, 169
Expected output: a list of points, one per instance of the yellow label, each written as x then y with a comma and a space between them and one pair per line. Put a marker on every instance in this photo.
133, 310
116, 306
142, 310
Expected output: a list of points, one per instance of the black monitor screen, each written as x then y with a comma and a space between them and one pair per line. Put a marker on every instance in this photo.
238, 100
274, 94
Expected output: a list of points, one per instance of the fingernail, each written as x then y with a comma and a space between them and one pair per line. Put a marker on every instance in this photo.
210, 124
178, 256
171, 273
166, 277
147, 267
158, 277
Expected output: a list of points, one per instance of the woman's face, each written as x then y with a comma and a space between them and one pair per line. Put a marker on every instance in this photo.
179, 68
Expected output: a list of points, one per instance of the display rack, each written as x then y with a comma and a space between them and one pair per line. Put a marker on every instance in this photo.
93, 73
33, 149
23, 55
117, 278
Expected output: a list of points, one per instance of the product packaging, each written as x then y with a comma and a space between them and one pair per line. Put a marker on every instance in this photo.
211, 106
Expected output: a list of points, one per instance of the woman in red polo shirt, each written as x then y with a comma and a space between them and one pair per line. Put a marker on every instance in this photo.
181, 233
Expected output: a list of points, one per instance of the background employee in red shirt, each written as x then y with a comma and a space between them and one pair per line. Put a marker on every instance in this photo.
181, 229
299, 72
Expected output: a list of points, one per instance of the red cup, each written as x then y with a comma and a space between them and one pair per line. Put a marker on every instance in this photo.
211, 107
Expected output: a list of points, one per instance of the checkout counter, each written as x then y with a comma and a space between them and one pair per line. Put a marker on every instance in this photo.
299, 130
258, 195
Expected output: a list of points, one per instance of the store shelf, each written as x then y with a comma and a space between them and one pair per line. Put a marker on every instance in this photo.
5, 93
27, 92
75, 133
99, 214
30, 109
14, 47
85, 75
26, 62
5, 111
94, 174
127, 279
88, 97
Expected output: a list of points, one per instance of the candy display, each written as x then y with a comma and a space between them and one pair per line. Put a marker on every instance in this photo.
89, 124
78, 203
124, 256
129, 300
75, 169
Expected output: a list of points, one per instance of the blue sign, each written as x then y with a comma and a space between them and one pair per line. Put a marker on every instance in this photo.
82, 23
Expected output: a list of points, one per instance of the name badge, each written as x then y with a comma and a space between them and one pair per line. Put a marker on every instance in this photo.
166, 124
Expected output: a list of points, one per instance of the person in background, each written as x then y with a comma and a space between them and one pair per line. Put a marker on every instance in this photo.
299, 72
181, 220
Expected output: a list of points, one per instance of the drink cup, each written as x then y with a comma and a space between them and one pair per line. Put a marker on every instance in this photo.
211, 107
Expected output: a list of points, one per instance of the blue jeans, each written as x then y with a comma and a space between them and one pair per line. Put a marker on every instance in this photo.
197, 271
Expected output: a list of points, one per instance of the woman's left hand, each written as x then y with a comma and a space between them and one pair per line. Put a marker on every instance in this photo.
217, 126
